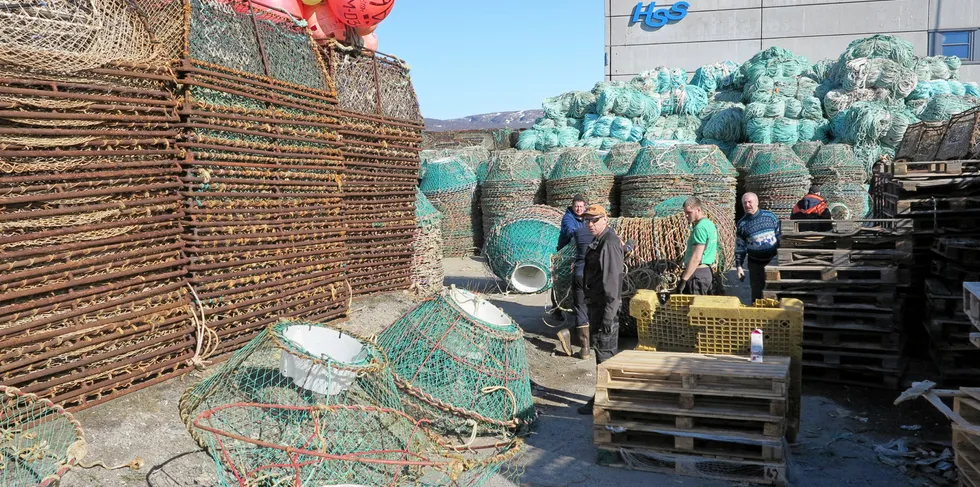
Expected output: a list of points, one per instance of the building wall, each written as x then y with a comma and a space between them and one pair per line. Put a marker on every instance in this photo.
719, 30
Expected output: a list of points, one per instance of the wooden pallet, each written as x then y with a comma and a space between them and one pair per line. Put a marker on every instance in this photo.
872, 301
941, 327
756, 472
853, 339
966, 448
848, 318
960, 362
971, 302
856, 230
861, 378
841, 257
926, 169
707, 443
838, 275
885, 362
961, 249
954, 271
904, 207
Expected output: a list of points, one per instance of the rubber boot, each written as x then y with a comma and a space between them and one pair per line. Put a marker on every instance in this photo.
587, 407
565, 341
583, 339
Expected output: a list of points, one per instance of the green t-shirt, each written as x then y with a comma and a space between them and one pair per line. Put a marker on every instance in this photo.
704, 233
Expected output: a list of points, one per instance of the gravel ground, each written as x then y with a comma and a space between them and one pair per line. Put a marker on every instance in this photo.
841, 425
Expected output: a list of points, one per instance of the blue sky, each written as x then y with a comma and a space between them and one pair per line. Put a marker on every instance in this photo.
476, 56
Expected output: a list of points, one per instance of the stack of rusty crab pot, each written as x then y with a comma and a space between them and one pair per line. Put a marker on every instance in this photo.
381, 129
93, 302
263, 173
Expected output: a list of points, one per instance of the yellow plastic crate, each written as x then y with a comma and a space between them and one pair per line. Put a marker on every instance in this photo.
663, 327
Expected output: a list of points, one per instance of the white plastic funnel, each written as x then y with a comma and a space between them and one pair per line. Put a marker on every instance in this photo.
479, 308
528, 278
325, 343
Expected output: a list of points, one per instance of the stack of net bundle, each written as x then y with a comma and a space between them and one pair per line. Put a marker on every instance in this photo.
381, 135
93, 298
579, 171
942, 107
513, 181
722, 121
547, 134
777, 176
676, 128
658, 173
41, 441
427, 270
619, 160
716, 77
302, 388
264, 180
451, 187
460, 362
520, 246
872, 128
836, 163
714, 178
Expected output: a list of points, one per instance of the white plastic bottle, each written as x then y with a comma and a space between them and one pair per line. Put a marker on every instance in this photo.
755, 347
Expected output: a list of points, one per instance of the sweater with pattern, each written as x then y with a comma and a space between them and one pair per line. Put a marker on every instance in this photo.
757, 236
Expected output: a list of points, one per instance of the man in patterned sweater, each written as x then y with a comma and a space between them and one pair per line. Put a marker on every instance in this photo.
757, 236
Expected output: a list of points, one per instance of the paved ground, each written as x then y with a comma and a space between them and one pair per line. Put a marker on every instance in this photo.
841, 425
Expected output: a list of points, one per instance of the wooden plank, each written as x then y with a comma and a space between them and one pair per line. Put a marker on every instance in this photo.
840, 257
668, 440
767, 410
850, 358
957, 248
911, 207
737, 471
844, 339
854, 228
788, 275
858, 300
927, 168
846, 318
766, 426
971, 302
967, 457
724, 367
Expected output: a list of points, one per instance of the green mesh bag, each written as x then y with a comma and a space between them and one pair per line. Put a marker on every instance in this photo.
658, 173
707, 160
579, 171
513, 181
458, 359
41, 441
520, 246
447, 174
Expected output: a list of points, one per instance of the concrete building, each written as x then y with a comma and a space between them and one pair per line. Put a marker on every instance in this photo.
718, 30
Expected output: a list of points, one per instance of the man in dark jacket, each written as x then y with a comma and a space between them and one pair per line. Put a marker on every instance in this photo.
575, 232
603, 279
812, 207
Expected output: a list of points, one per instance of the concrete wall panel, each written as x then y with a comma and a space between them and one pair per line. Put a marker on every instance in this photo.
970, 72
696, 27
954, 14
634, 59
845, 18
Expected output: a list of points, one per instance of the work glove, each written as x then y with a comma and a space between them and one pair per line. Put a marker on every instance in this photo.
681, 286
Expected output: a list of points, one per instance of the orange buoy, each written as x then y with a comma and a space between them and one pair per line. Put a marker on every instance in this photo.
323, 24
361, 13
363, 31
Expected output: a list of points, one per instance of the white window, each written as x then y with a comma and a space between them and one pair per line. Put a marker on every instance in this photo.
959, 43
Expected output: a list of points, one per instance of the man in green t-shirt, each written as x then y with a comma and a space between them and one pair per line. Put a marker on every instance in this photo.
701, 252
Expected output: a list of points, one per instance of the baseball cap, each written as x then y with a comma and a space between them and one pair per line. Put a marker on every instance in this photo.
594, 211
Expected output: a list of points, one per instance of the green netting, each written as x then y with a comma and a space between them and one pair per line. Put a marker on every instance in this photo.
543, 138
473, 155
837, 100
658, 173
773, 62
519, 248
611, 126
878, 73
628, 102
579, 171
847, 200
427, 270
447, 174
620, 158
679, 128
41, 441
725, 124
658, 161
714, 77
686, 100
822, 70
546, 161
943, 107
862, 123
459, 359
707, 160
836, 163
806, 150
937, 68
424, 211
450, 186
513, 181
657, 80
218, 34
778, 176
881, 46
573, 104
600, 143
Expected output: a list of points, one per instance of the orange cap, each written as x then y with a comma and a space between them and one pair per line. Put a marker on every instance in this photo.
594, 211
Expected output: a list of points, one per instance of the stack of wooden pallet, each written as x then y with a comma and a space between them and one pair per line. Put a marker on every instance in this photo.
971, 308
942, 199
850, 278
709, 416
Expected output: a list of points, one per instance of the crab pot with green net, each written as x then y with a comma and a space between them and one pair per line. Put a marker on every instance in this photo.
295, 364
40, 441
450, 185
519, 248
460, 362
777, 176
427, 270
339, 445
513, 181
619, 159
579, 171
658, 173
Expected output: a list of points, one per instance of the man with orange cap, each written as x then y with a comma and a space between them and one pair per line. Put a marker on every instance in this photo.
603, 280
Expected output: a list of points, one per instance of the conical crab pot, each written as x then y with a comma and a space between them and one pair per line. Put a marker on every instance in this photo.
520, 247
40, 442
341, 445
460, 362
294, 364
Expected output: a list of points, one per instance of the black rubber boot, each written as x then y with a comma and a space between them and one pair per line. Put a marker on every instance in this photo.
565, 341
587, 407
583, 339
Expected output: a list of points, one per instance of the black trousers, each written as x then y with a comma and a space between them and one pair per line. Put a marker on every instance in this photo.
700, 284
578, 300
757, 278
604, 342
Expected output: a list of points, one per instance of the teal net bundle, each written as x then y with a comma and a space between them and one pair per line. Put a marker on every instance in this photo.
427, 270
514, 180
678, 128
619, 160
459, 361
40, 443
658, 173
943, 107
579, 171
621, 129
777, 176
450, 185
847, 200
519, 248
715, 77
836, 163
545, 135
